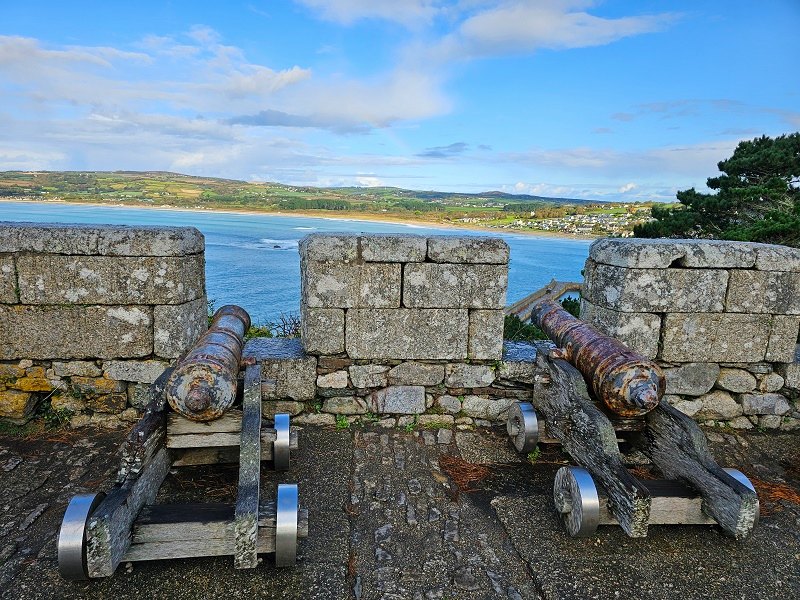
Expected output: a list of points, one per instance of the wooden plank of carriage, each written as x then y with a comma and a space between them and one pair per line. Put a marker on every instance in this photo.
678, 447
148, 435
193, 530
144, 465
225, 431
230, 422
245, 524
109, 527
672, 503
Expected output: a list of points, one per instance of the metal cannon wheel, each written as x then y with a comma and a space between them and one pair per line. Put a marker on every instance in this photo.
523, 426
742, 478
280, 447
286, 525
577, 501
72, 536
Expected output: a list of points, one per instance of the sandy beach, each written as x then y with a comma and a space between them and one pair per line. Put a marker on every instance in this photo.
322, 214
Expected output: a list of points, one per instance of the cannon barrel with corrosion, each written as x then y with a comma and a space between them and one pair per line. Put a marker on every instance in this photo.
625, 381
203, 385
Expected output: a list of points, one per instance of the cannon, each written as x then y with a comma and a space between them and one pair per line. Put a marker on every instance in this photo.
599, 489
627, 383
203, 385
101, 530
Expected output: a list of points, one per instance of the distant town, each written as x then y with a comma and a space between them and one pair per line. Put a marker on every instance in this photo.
606, 220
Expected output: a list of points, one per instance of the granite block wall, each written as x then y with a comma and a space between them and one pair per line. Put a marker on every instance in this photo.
89, 315
403, 296
400, 325
721, 317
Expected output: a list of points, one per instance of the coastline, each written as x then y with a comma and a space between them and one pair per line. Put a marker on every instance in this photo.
352, 216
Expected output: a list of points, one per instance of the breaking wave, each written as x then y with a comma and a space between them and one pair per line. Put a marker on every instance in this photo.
262, 244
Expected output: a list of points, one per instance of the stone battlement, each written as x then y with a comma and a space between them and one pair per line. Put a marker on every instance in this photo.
92, 312
404, 329
400, 324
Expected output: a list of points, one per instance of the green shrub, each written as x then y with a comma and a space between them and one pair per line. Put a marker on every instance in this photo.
572, 305
258, 331
516, 330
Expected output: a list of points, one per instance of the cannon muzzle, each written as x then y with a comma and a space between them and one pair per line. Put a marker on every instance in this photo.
203, 385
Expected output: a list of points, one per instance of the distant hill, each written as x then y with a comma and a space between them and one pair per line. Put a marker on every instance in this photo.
489, 210
174, 188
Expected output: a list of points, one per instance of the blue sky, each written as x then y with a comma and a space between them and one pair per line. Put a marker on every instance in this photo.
616, 100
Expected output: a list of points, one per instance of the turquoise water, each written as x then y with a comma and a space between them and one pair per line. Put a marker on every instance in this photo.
252, 260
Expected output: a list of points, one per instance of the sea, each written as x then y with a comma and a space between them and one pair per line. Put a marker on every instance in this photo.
252, 260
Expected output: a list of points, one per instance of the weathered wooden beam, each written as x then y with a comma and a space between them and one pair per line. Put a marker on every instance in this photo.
230, 422
678, 447
148, 435
109, 527
190, 457
194, 530
671, 504
217, 440
587, 435
210, 440
247, 499
222, 432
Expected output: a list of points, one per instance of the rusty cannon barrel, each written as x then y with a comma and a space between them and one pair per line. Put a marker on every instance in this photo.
203, 385
625, 381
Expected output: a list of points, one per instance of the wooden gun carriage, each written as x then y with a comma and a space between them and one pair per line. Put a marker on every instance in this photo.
627, 392
99, 531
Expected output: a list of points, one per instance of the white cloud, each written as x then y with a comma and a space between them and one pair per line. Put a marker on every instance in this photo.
256, 81
547, 190
204, 35
697, 107
595, 191
688, 162
210, 78
402, 94
521, 27
198, 75
18, 53
28, 159
406, 12
369, 181
628, 187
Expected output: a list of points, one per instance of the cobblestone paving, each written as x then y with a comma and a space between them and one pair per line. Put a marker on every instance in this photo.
37, 479
415, 536
388, 521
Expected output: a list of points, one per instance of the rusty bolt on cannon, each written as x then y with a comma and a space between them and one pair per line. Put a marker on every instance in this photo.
203, 385
625, 381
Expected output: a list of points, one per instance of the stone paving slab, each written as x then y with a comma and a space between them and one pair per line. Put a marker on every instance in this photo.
387, 522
